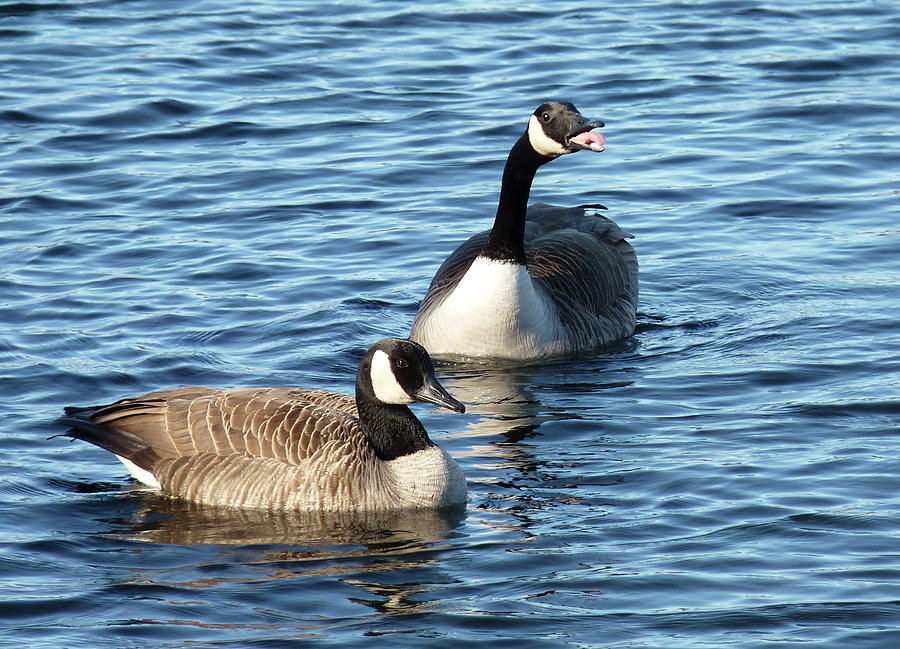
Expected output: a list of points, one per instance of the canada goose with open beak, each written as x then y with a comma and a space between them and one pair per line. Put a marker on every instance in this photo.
547, 282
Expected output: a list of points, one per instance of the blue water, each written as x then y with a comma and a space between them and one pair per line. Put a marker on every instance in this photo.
237, 194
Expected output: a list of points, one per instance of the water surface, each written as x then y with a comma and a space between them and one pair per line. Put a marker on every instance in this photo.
236, 195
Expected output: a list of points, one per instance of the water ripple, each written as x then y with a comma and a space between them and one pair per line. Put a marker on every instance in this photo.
251, 195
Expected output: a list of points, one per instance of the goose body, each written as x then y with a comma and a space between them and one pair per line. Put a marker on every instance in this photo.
289, 448
545, 281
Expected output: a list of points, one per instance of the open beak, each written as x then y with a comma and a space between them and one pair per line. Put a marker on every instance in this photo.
582, 137
433, 392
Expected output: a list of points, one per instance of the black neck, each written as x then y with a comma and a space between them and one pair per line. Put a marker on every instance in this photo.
392, 430
507, 239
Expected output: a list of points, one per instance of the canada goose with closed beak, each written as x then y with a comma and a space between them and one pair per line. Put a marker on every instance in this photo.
543, 282
289, 448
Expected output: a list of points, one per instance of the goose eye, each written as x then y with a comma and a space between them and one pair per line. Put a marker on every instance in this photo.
546, 117
401, 363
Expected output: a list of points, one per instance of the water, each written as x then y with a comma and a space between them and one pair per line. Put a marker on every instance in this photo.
252, 194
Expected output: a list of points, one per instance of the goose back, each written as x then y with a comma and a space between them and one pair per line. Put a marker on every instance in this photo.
583, 262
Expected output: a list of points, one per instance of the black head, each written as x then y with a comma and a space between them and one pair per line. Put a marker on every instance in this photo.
398, 371
557, 128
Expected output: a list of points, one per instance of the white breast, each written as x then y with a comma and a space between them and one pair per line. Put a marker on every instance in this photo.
427, 478
495, 312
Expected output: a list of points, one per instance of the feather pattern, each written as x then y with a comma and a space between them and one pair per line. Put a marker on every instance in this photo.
277, 448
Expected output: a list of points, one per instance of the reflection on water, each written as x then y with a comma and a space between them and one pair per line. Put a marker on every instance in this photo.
513, 485
364, 550
177, 522
502, 401
393, 599
502, 410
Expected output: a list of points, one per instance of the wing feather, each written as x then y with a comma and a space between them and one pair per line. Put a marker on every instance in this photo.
586, 266
285, 424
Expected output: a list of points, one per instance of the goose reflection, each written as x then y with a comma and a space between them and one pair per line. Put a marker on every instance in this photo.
364, 550
393, 599
506, 412
179, 522
509, 477
502, 400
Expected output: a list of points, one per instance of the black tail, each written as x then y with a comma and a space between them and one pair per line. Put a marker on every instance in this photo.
113, 439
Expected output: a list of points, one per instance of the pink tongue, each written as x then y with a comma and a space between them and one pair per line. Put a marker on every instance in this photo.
594, 141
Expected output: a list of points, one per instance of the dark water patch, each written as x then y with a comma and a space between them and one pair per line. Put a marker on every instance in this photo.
435, 19
350, 204
649, 324
224, 131
30, 608
241, 51
261, 77
41, 204
849, 409
848, 112
843, 523
146, 114
15, 33
813, 66
79, 487
225, 270
98, 142
20, 117
812, 614
782, 13
30, 8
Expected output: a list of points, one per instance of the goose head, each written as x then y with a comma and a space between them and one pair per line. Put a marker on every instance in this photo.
397, 372
557, 128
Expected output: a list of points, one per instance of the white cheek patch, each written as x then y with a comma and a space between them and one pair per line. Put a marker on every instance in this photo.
384, 383
541, 142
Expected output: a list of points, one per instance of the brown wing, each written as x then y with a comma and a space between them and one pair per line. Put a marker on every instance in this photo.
343, 402
281, 448
287, 424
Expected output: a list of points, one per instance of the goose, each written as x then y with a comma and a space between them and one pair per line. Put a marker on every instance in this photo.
555, 282
289, 448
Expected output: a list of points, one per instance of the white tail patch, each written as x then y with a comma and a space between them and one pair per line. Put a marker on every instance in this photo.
541, 142
384, 383
139, 474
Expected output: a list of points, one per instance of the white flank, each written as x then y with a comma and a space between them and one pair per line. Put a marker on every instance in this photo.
493, 312
541, 142
428, 478
139, 474
384, 383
